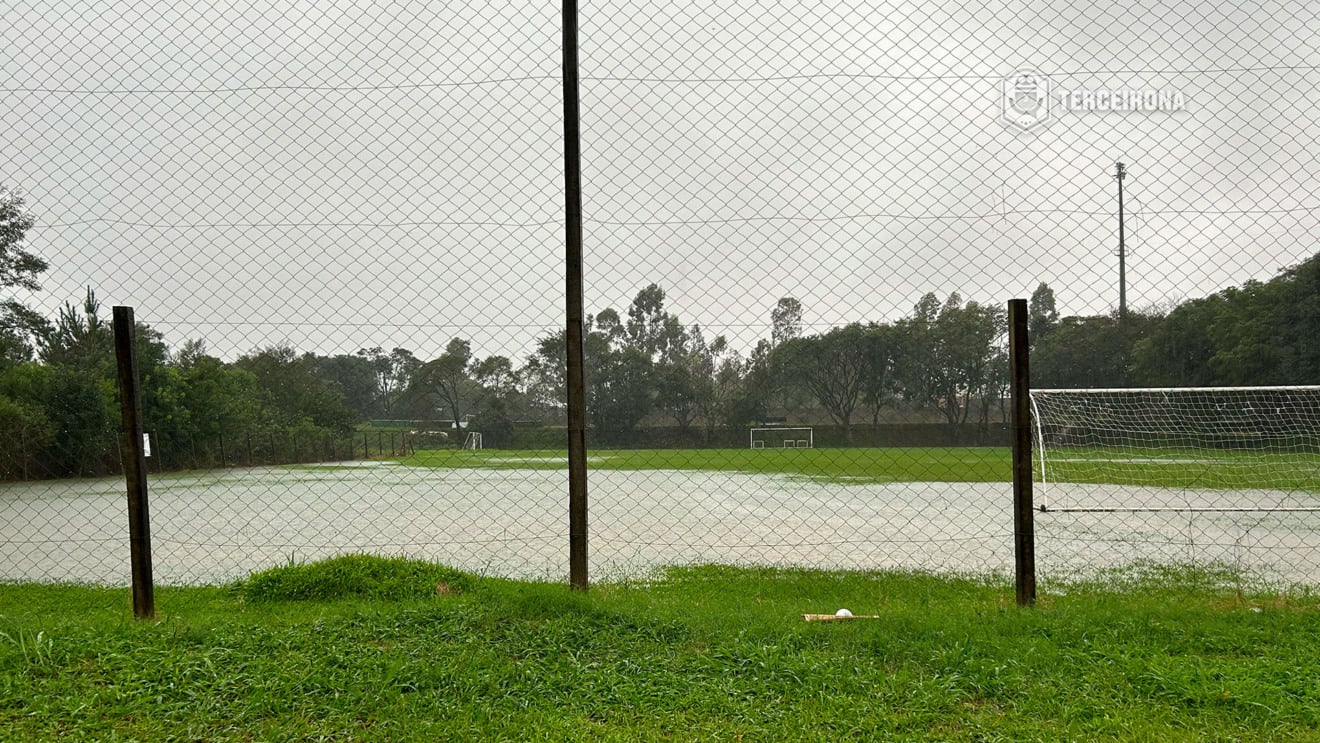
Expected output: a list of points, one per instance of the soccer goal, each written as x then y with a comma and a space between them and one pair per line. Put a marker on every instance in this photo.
783, 438
1185, 449
472, 441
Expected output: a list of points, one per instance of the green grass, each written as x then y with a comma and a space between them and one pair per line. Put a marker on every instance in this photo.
353, 577
1166, 468
1186, 468
840, 465
700, 653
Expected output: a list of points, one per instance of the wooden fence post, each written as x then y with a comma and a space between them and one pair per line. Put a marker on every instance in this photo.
1024, 525
135, 463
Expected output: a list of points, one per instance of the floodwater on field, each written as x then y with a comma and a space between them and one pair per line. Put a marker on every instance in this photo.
216, 526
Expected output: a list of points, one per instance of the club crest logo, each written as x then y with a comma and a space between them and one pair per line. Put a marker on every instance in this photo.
1025, 99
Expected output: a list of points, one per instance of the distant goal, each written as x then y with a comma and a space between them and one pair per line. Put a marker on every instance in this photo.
472, 441
782, 437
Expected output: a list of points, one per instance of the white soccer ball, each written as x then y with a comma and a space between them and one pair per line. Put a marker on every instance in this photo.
843, 613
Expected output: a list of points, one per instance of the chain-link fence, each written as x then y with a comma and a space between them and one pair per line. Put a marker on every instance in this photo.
342, 229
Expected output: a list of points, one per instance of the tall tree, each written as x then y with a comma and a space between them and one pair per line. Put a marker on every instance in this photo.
618, 368
81, 338
833, 366
25, 432
1298, 317
20, 327
621, 390
917, 363
79, 396
1042, 315
218, 398
785, 321
649, 328
498, 396
544, 374
496, 375
393, 372
949, 353
879, 385
1091, 351
82, 407
737, 402
704, 362
355, 378
447, 378
676, 392
749, 387
1261, 333
608, 324
79, 348
1177, 353
293, 393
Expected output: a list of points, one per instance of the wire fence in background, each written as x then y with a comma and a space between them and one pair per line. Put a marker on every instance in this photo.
350, 221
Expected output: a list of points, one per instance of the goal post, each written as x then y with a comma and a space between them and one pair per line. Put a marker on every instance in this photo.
472, 441
1177, 439
783, 437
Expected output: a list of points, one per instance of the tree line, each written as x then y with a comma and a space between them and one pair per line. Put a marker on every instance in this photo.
644, 366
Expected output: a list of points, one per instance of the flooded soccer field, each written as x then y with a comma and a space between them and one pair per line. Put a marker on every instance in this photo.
217, 526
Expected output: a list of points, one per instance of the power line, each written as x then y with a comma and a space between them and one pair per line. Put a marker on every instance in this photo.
732, 79
280, 88
291, 225
994, 215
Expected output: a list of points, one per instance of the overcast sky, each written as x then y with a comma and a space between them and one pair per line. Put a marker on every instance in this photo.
337, 175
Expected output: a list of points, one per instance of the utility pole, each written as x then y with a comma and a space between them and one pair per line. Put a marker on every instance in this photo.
1122, 250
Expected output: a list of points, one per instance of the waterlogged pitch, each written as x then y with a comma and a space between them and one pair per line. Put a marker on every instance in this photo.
505, 513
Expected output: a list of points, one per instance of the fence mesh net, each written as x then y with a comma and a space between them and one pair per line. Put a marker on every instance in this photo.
341, 228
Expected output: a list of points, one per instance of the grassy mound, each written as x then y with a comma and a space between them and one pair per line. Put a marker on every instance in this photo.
355, 576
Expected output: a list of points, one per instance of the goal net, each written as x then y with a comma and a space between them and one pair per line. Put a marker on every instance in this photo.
472, 441
1178, 449
782, 437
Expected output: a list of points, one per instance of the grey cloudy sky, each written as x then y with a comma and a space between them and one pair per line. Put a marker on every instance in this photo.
336, 175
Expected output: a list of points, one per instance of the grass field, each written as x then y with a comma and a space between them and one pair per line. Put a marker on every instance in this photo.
1186, 468
1155, 468
863, 465
367, 649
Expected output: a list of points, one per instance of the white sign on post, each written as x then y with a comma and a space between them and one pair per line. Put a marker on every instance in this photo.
146, 444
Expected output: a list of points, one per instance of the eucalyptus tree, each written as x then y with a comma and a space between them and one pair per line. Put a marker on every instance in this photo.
833, 366
948, 354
